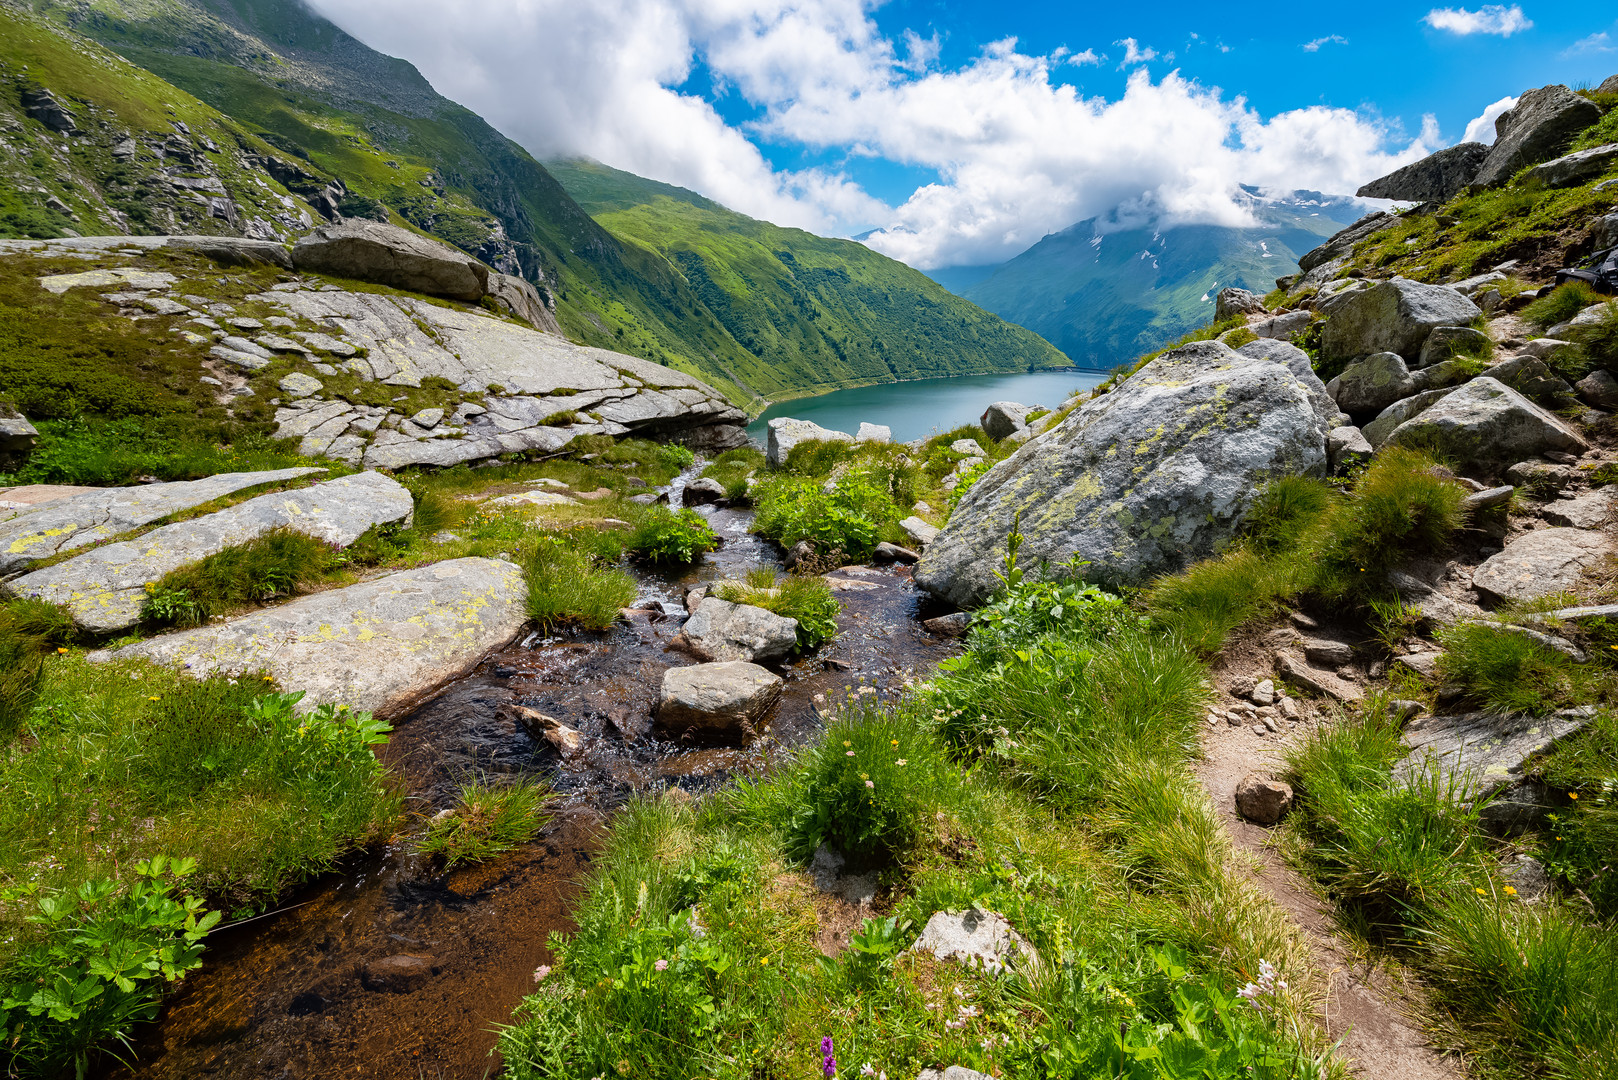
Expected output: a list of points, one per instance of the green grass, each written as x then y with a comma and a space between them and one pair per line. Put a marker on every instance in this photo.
279, 563
672, 536
805, 598
1497, 669
1564, 302
567, 586
733, 469
29, 631
487, 821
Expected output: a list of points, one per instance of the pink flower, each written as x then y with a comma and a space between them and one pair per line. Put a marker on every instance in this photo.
661, 965
870, 783
541, 973
849, 754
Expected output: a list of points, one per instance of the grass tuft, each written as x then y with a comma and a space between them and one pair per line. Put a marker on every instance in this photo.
569, 586
487, 821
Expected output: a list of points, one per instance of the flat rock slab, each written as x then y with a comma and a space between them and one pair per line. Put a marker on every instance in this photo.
382, 646
720, 630
724, 697
534, 498
102, 513
974, 937
19, 500
1485, 751
1588, 511
105, 587
1539, 563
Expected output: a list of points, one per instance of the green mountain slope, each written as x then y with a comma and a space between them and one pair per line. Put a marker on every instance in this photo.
1104, 298
813, 313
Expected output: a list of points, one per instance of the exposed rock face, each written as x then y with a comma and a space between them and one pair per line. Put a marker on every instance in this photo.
973, 937
524, 301
720, 630
1003, 419
1388, 420
785, 433
1372, 384
1437, 177
878, 433
1237, 302
391, 256
1262, 800
1540, 563
1486, 423
1283, 326
80, 520
104, 588
724, 698
1537, 129
1392, 316
1141, 481
1484, 750
381, 646
1320, 265
1575, 168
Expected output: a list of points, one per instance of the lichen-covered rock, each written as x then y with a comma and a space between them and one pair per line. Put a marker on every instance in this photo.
381, 646
1487, 424
1540, 563
1319, 266
105, 587
1538, 128
1438, 177
1003, 419
1237, 302
785, 432
1448, 341
723, 698
1392, 316
1141, 481
1388, 420
720, 630
65, 525
1372, 384
388, 255
1484, 752
1282, 327
519, 297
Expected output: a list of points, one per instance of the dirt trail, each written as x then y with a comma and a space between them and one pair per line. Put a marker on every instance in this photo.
1363, 1007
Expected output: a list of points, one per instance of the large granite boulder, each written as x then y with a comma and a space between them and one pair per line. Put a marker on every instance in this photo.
1446, 342
1486, 424
1002, 419
1388, 420
1140, 481
1540, 563
786, 432
91, 517
1392, 316
1438, 177
388, 255
519, 297
105, 587
721, 630
1372, 384
1575, 168
1233, 301
381, 646
717, 699
1538, 128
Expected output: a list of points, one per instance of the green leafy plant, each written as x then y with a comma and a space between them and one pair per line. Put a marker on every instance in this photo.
487, 821
846, 519
95, 964
805, 598
871, 952
672, 536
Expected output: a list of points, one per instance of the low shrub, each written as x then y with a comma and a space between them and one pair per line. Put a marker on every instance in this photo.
278, 563
567, 585
107, 453
487, 821
672, 536
847, 519
1563, 302
805, 598
1600, 341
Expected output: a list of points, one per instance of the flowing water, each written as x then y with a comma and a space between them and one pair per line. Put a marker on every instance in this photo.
924, 407
389, 967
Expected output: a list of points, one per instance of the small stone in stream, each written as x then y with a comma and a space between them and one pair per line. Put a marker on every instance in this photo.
701, 491
893, 553
1330, 654
398, 974
1263, 693
720, 630
953, 625
1262, 800
723, 698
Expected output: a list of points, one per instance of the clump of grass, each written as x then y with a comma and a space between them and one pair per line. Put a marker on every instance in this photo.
1399, 505
30, 630
487, 821
733, 468
803, 597
1499, 669
1564, 302
279, 563
567, 585
672, 536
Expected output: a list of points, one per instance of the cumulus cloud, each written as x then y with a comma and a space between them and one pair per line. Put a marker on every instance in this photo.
1481, 129
1013, 152
1494, 19
1329, 39
1595, 43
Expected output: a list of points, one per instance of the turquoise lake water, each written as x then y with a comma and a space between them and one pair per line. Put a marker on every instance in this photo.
924, 407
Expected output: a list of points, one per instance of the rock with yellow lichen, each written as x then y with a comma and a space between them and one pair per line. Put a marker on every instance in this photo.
1141, 481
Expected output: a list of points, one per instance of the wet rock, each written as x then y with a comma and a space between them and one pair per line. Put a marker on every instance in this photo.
389, 255
1392, 316
1486, 423
800, 554
399, 974
1141, 481
877, 433
1484, 751
893, 553
382, 646
721, 630
100, 514
1436, 178
1263, 800
1540, 563
1347, 447
786, 432
974, 937
105, 588
1538, 128
722, 698
701, 492
1002, 419
953, 625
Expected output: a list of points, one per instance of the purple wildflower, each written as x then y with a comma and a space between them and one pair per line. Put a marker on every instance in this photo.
828, 1062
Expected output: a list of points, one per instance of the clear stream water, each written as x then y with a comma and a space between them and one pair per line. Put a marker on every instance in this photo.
924, 407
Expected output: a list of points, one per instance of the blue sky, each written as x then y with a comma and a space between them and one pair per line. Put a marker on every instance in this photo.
963, 132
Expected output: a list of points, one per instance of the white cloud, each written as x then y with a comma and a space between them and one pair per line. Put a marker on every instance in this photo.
1014, 153
1134, 54
1595, 43
1494, 19
1481, 129
1329, 39
1088, 56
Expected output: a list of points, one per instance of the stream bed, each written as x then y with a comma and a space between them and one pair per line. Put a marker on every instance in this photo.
390, 967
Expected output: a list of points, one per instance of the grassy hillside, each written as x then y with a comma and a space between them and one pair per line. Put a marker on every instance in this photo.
814, 313
1103, 298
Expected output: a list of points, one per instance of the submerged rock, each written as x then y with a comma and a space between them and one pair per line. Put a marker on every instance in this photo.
1141, 481
382, 646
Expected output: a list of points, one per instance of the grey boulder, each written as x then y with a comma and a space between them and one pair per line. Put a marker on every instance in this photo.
723, 698
1483, 752
1540, 563
1538, 128
786, 432
1372, 384
1448, 341
1575, 168
1003, 419
974, 937
721, 630
701, 491
382, 646
519, 297
877, 433
1231, 302
1392, 316
1438, 177
1486, 424
17, 435
1140, 481
1347, 447
388, 255
1599, 388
